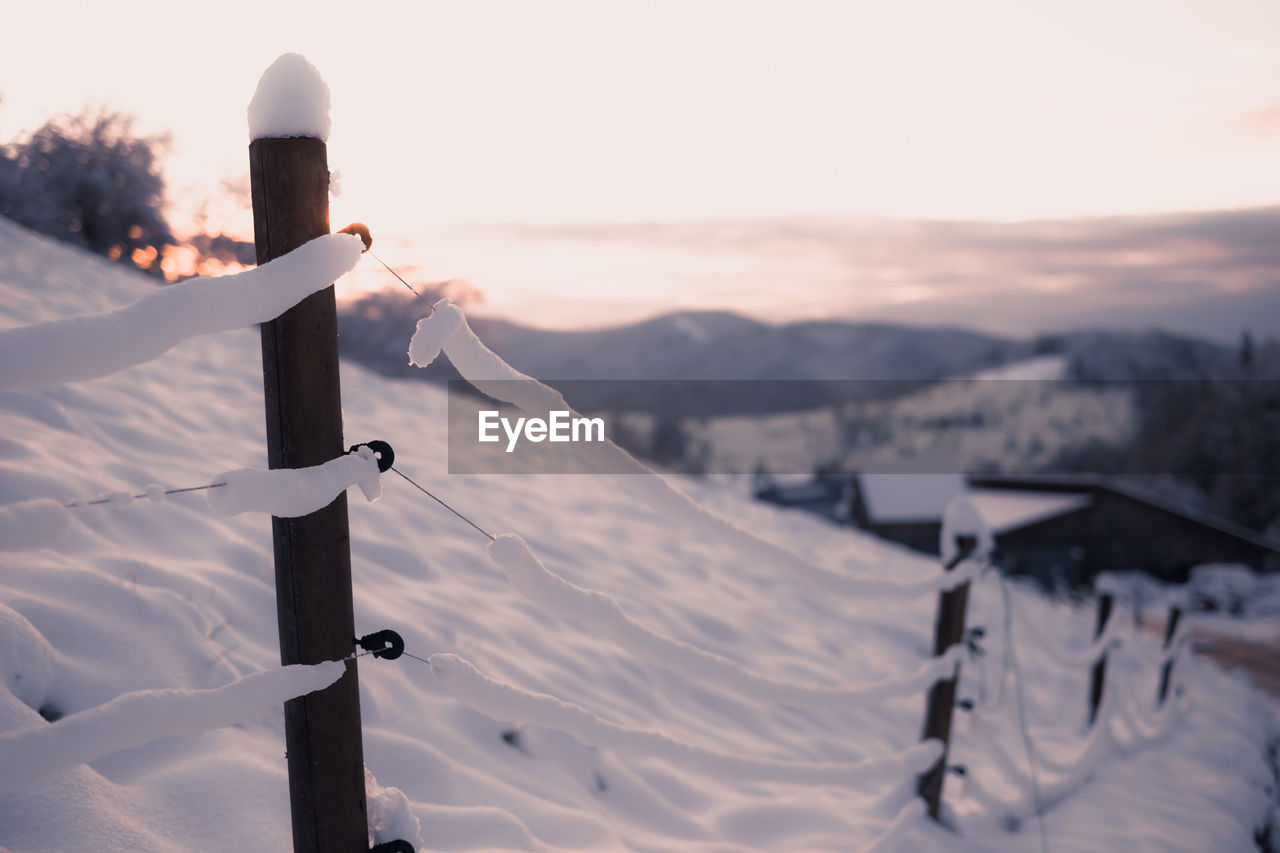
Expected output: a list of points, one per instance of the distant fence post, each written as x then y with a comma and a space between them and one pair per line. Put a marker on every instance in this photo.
1098, 682
1170, 628
948, 629
289, 178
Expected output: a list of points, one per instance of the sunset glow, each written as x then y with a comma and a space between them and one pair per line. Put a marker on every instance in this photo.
450, 120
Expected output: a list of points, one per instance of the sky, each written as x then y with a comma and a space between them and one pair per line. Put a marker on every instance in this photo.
454, 122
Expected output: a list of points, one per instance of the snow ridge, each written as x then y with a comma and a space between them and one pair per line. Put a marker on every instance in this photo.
605, 618
507, 702
32, 524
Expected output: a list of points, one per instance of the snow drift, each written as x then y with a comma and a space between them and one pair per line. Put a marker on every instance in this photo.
174, 596
32, 755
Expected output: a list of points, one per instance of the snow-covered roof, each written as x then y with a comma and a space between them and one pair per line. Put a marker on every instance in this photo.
1127, 488
903, 498
1006, 509
909, 498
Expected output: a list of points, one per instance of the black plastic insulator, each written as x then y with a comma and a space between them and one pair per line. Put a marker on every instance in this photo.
382, 450
386, 644
965, 704
397, 846
362, 231
958, 769
977, 632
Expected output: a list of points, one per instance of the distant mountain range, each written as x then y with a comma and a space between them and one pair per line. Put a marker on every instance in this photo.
721, 345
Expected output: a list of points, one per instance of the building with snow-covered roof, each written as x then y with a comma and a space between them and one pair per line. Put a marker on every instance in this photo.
908, 508
1122, 527
1060, 528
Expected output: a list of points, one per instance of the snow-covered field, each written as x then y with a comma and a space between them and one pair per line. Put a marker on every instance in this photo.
172, 594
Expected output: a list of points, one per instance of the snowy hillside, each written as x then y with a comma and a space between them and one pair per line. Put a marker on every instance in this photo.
706, 347
173, 594
1014, 419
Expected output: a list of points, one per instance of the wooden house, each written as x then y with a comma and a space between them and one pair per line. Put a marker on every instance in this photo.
1061, 528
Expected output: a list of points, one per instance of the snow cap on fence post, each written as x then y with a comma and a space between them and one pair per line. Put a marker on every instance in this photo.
292, 99
962, 518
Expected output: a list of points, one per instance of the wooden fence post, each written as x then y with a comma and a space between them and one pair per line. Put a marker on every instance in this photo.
1099, 679
290, 185
948, 629
1170, 628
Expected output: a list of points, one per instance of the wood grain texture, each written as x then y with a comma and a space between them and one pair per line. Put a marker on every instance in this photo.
290, 186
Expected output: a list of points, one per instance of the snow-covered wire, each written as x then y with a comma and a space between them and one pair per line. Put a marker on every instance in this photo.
282, 492
1067, 774
440, 501
446, 330
605, 618
92, 346
1145, 727
978, 661
1070, 659
1067, 777
965, 572
995, 807
1020, 705
1054, 764
1171, 651
293, 492
909, 813
154, 493
412, 289
31, 755
1049, 789
507, 703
